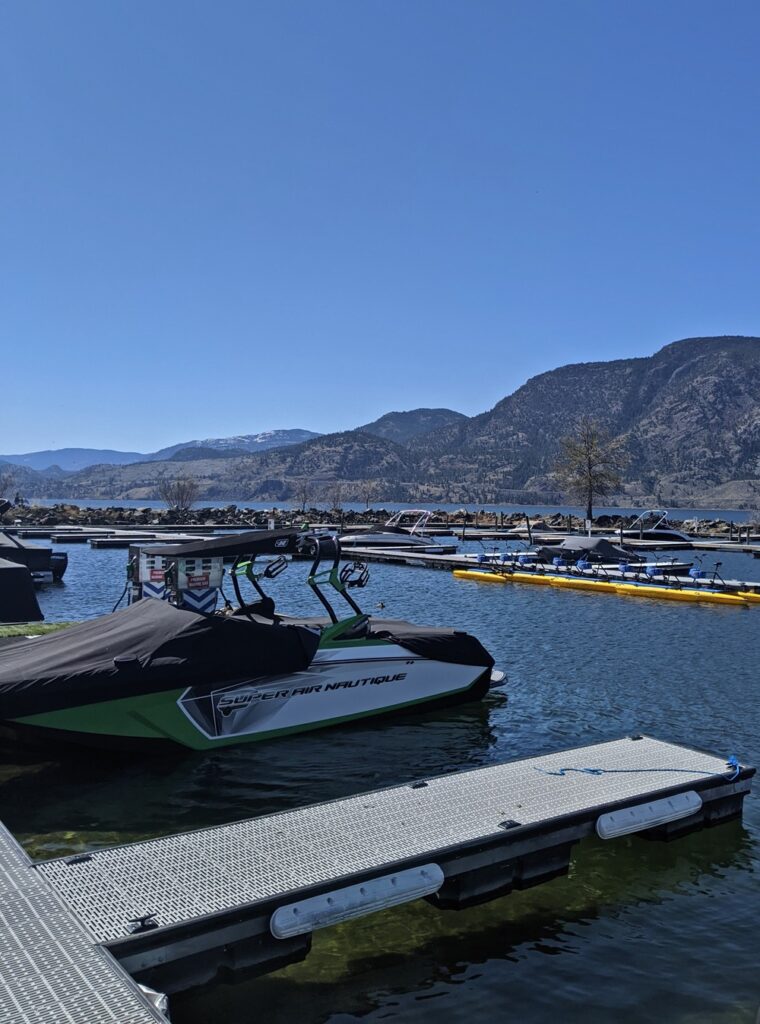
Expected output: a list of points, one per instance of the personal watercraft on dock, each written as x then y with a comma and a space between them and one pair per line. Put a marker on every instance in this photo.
157, 670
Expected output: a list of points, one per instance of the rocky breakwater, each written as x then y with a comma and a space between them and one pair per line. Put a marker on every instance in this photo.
118, 517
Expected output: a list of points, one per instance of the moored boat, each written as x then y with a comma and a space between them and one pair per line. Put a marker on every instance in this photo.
407, 530
157, 671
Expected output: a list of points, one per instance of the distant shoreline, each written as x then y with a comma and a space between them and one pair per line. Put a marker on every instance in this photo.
105, 512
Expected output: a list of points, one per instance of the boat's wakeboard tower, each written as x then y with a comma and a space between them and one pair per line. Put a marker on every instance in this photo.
355, 574
190, 575
400, 521
265, 605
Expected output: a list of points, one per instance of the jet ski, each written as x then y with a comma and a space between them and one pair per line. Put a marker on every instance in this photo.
159, 672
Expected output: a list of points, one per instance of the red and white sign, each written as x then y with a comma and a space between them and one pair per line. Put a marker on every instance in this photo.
156, 575
197, 582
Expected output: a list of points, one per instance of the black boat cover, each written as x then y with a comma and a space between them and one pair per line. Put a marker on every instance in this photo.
34, 556
595, 549
146, 648
18, 601
435, 642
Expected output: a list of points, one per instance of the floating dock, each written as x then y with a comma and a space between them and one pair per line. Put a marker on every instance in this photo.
51, 970
533, 572
183, 910
659, 588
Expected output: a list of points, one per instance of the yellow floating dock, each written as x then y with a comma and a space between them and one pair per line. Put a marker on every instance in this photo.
677, 594
662, 591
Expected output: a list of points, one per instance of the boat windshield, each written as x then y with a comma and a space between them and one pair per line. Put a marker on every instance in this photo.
651, 513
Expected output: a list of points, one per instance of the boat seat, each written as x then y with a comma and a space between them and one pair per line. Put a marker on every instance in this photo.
356, 630
263, 609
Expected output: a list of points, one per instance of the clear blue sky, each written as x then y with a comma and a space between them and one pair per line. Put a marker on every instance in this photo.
225, 217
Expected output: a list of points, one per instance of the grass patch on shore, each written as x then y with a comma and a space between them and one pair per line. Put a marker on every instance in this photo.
33, 628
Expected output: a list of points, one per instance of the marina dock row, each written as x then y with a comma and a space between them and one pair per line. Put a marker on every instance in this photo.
102, 536
513, 569
78, 932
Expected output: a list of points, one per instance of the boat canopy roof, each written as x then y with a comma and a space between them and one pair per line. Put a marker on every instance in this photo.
148, 647
232, 545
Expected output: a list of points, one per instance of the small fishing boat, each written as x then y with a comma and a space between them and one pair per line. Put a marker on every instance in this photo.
404, 531
158, 671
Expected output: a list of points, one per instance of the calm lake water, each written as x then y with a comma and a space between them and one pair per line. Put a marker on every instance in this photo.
637, 932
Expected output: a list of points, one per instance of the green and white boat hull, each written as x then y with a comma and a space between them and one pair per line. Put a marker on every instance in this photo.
344, 683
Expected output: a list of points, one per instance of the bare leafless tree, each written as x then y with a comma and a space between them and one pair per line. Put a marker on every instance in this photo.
368, 492
590, 463
7, 483
304, 492
179, 493
334, 493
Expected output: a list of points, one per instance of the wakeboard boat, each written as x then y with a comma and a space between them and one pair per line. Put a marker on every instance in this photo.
158, 671
404, 531
654, 525
600, 551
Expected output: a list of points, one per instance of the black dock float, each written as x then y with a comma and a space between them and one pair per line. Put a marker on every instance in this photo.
186, 909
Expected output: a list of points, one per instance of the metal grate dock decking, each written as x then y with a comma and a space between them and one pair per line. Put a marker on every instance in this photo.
184, 909
50, 969
207, 897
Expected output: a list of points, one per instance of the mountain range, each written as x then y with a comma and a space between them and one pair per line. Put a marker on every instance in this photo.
689, 417
72, 459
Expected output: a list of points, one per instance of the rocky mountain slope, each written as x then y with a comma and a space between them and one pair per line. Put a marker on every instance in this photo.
689, 415
401, 427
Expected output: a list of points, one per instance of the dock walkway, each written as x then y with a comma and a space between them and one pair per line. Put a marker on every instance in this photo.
394, 556
180, 910
50, 969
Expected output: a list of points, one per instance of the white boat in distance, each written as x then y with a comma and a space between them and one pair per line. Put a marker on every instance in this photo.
404, 531
660, 529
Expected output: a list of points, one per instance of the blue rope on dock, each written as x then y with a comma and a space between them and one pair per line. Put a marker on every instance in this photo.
731, 763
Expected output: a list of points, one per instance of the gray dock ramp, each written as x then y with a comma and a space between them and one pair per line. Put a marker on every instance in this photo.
51, 971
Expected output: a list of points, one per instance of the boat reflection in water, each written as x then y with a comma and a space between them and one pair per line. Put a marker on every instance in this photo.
158, 795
